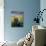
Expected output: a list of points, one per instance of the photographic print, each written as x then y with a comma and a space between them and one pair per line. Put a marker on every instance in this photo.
17, 21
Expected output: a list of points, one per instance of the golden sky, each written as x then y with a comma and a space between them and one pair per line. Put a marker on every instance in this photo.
20, 17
